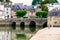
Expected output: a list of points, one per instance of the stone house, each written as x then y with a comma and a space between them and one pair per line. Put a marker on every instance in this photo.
54, 17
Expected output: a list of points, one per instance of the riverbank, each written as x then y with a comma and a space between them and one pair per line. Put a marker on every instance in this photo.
52, 33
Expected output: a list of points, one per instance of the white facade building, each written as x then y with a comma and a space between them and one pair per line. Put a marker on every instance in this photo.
50, 6
1, 11
54, 16
5, 35
5, 11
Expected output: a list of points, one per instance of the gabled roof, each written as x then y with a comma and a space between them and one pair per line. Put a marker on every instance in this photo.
54, 12
7, 5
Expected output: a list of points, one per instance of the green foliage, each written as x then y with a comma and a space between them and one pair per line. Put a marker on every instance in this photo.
21, 36
55, 1
42, 14
34, 2
8, 1
49, 1
1, 0
20, 13
39, 14
44, 7
32, 28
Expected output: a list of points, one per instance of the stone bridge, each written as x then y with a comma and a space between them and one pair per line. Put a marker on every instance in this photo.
6, 24
38, 21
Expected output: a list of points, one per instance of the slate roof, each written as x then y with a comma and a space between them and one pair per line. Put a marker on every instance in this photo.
54, 12
20, 6
7, 5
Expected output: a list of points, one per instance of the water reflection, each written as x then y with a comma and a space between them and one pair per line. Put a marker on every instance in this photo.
22, 25
29, 32
26, 31
32, 26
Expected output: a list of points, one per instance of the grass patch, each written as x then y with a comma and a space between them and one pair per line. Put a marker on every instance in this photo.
21, 37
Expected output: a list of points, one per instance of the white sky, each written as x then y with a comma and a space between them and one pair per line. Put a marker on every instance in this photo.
26, 2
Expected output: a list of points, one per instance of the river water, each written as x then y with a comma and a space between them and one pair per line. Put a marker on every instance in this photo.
5, 29
28, 32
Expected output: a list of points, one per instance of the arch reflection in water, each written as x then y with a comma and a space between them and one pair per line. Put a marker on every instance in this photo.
32, 26
14, 25
21, 37
22, 25
45, 25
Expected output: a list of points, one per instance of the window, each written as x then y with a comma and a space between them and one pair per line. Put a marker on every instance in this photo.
7, 8
7, 12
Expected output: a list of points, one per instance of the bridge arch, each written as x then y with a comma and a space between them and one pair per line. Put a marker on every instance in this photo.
32, 26
14, 25
32, 23
45, 24
22, 25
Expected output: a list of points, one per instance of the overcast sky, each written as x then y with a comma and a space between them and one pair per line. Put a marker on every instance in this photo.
26, 2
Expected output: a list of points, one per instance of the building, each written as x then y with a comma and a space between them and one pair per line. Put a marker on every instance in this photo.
17, 6
5, 11
54, 17
1, 11
20, 6
50, 6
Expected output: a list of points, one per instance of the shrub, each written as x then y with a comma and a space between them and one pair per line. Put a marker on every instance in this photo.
42, 14
44, 7
20, 13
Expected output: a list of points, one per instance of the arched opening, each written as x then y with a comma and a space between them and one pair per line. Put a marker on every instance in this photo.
32, 26
45, 25
14, 25
22, 25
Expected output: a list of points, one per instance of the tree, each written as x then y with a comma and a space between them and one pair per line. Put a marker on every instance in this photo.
39, 14
34, 2
42, 14
49, 1
20, 13
44, 7
56, 1
1, 0
21, 37
8, 1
